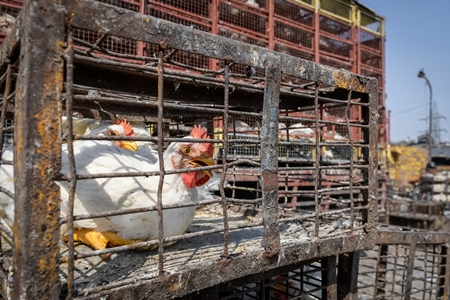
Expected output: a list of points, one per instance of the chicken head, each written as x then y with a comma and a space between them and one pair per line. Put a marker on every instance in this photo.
191, 155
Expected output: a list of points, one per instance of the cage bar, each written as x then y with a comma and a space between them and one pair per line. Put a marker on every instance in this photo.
406, 264
255, 223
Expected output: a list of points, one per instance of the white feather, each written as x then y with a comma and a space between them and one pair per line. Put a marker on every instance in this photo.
112, 194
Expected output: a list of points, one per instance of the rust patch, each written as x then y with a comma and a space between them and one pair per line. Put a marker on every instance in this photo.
172, 280
350, 82
269, 181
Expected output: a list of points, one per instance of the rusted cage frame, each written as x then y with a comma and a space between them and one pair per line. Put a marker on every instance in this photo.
413, 240
289, 65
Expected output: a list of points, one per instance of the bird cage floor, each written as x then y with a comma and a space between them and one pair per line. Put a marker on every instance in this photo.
134, 266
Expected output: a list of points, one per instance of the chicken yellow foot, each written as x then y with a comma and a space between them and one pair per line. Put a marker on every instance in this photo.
99, 240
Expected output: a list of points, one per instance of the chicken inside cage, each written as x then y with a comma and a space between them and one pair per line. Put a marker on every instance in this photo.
172, 161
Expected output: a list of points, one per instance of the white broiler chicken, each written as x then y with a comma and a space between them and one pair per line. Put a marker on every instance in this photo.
149, 151
119, 128
112, 194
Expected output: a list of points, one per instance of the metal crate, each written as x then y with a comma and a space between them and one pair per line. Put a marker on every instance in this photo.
406, 264
239, 231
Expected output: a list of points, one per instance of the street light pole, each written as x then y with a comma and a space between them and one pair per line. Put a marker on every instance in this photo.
430, 118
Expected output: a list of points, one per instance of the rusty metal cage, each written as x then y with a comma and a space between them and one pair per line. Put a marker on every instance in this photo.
326, 278
405, 264
238, 231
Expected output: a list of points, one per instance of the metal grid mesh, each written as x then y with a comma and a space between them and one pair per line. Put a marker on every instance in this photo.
373, 41
243, 16
371, 23
294, 12
336, 47
405, 265
337, 8
133, 5
294, 52
9, 10
106, 43
199, 8
230, 222
293, 35
296, 284
371, 59
334, 27
246, 38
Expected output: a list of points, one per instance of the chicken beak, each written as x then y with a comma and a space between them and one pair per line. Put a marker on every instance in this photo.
128, 145
203, 162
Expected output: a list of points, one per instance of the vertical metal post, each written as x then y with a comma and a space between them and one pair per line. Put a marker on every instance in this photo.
329, 278
371, 155
269, 155
225, 121
352, 150
430, 117
214, 13
161, 49
316, 40
380, 278
8, 86
140, 46
37, 151
72, 166
317, 170
444, 272
270, 7
347, 278
409, 271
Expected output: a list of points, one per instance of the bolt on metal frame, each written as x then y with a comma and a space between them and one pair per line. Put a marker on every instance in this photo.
44, 88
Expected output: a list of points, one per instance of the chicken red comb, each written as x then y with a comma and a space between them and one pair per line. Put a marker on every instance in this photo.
126, 126
198, 132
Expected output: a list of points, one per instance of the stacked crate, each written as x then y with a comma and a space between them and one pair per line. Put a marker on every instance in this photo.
435, 187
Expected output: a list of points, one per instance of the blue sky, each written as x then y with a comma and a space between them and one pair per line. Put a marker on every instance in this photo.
417, 37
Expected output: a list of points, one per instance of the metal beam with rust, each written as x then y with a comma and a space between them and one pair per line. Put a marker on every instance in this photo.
37, 152
269, 156
103, 18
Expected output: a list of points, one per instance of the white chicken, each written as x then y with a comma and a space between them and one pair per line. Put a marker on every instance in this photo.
119, 128
112, 194
149, 150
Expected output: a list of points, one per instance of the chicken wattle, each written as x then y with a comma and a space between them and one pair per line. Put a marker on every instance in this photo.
118, 193
113, 194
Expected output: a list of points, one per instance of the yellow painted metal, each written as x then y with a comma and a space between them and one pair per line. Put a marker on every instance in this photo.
308, 3
341, 9
405, 163
350, 12
369, 20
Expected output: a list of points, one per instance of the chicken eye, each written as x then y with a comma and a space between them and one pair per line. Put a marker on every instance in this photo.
186, 150
113, 133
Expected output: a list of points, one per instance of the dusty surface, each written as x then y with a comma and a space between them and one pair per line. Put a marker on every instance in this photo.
136, 266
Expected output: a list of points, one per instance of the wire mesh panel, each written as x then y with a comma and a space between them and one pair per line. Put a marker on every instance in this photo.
405, 265
207, 168
304, 281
